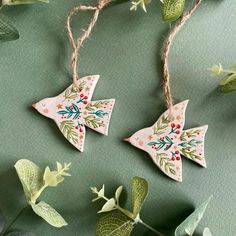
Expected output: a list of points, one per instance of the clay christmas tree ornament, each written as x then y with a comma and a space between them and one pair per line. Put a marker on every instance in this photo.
166, 142
73, 109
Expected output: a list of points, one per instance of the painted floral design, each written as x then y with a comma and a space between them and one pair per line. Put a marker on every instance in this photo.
166, 142
73, 109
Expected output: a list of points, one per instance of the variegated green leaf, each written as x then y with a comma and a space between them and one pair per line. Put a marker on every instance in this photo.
139, 193
30, 176
172, 9
18, 2
114, 223
8, 31
49, 214
188, 226
228, 84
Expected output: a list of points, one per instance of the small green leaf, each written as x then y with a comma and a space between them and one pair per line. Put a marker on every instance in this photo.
139, 193
2, 222
50, 177
189, 225
172, 9
30, 176
20, 233
108, 206
228, 84
49, 214
18, 2
118, 193
207, 232
114, 223
8, 31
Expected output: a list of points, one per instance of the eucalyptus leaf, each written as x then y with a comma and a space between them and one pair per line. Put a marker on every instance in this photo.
49, 214
108, 206
118, 193
20, 233
188, 226
172, 9
228, 84
2, 222
18, 2
114, 223
207, 232
31, 177
139, 193
8, 31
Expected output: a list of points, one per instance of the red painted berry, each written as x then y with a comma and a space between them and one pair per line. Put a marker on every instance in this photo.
85, 102
81, 95
177, 126
172, 158
177, 132
76, 127
80, 130
177, 152
172, 125
85, 97
177, 158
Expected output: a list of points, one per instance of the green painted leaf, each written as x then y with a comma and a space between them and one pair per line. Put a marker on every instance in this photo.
20, 233
188, 226
8, 31
172, 9
228, 84
2, 222
31, 177
18, 2
207, 232
49, 214
139, 193
114, 223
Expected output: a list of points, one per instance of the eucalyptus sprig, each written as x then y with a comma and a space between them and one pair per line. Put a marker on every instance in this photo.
228, 83
34, 182
171, 9
118, 221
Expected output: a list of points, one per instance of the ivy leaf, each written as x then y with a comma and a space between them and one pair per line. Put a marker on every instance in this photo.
2, 222
207, 232
31, 177
18, 2
8, 31
49, 214
108, 206
139, 193
189, 225
114, 223
20, 233
228, 84
172, 9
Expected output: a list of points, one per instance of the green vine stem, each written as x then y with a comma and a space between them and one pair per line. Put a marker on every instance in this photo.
4, 233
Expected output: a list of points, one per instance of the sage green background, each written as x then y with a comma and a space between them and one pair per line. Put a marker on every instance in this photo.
125, 49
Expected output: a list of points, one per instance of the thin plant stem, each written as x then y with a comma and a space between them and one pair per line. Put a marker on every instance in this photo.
149, 227
13, 221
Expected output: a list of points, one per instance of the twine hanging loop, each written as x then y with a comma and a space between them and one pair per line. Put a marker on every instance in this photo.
76, 44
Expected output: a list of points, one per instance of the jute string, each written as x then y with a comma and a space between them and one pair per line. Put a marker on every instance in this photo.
166, 49
76, 44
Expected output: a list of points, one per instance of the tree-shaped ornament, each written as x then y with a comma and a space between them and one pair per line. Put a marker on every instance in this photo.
73, 109
166, 141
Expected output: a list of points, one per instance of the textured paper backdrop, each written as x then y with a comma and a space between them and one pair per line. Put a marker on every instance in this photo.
125, 50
